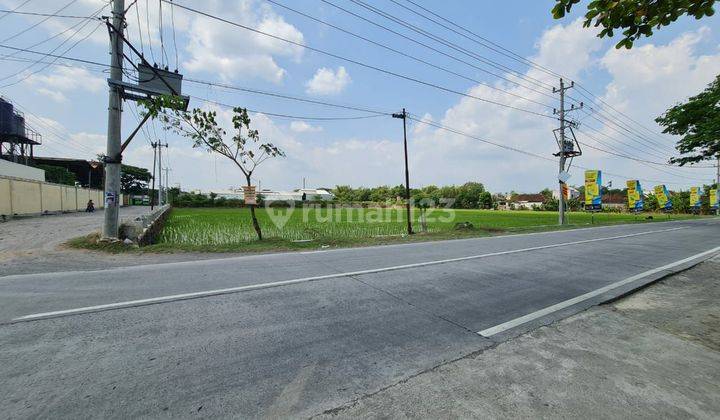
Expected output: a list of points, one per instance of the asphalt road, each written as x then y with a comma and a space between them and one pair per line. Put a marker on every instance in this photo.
301, 333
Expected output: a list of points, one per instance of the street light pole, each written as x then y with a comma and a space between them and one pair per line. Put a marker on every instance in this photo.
403, 116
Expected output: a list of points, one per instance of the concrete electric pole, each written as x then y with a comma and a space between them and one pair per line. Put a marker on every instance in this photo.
403, 116
567, 148
113, 158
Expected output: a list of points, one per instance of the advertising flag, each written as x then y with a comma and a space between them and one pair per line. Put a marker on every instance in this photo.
593, 184
714, 199
663, 197
695, 195
635, 195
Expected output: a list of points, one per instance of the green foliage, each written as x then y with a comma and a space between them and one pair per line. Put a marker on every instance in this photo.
698, 122
221, 227
134, 180
58, 175
637, 18
470, 195
244, 147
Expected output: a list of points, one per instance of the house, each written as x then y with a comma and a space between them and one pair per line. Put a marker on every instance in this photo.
614, 202
311, 194
521, 201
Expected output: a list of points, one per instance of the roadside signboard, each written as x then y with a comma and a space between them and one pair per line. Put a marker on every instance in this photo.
663, 197
250, 195
714, 204
695, 195
635, 195
593, 183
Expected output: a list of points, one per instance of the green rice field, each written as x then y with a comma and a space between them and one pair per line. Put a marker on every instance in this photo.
223, 227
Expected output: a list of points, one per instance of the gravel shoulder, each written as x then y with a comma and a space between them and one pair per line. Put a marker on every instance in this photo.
654, 354
35, 244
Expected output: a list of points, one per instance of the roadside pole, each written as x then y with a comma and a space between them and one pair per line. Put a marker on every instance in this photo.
113, 158
566, 146
160, 171
152, 190
407, 171
561, 200
717, 183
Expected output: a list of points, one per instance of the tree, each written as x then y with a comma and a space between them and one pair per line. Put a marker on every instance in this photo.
698, 122
486, 200
134, 180
244, 148
637, 18
58, 175
468, 195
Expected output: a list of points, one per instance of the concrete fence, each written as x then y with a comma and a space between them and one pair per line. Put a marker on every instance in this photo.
28, 197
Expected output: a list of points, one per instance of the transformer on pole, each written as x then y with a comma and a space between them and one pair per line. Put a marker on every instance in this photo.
153, 81
567, 144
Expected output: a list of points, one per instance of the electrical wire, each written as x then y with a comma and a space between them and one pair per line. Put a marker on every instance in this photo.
410, 56
64, 52
172, 21
450, 44
147, 24
15, 9
33, 26
361, 64
443, 53
483, 41
293, 117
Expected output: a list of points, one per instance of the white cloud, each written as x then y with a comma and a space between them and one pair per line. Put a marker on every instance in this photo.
303, 127
328, 81
233, 53
63, 80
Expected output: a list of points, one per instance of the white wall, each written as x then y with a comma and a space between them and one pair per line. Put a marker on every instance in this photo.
17, 170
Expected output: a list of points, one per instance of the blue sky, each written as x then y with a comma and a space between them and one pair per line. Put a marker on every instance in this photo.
68, 104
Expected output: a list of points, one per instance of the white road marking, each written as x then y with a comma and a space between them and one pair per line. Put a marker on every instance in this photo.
489, 332
194, 295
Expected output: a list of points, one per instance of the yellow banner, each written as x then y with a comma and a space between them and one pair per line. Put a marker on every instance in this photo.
633, 194
592, 187
660, 194
694, 196
713, 198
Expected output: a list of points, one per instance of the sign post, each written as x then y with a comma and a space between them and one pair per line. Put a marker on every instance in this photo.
250, 195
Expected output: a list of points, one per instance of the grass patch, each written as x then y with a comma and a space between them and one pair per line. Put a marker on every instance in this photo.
220, 229
230, 229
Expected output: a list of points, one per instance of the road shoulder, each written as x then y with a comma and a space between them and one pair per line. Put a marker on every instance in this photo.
652, 354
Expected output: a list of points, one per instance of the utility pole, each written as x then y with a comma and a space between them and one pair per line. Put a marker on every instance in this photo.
567, 147
167, 184
152, 190
113, 158
403, 116
161, 195
717, 183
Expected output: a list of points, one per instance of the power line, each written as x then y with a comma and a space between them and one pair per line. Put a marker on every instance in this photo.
510, 54
61, 44
74, 27
294, 117
449, 44
15, 9
410, 56
45, 14
359, 63
38, 23
517, 150
431, 48
498, 48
